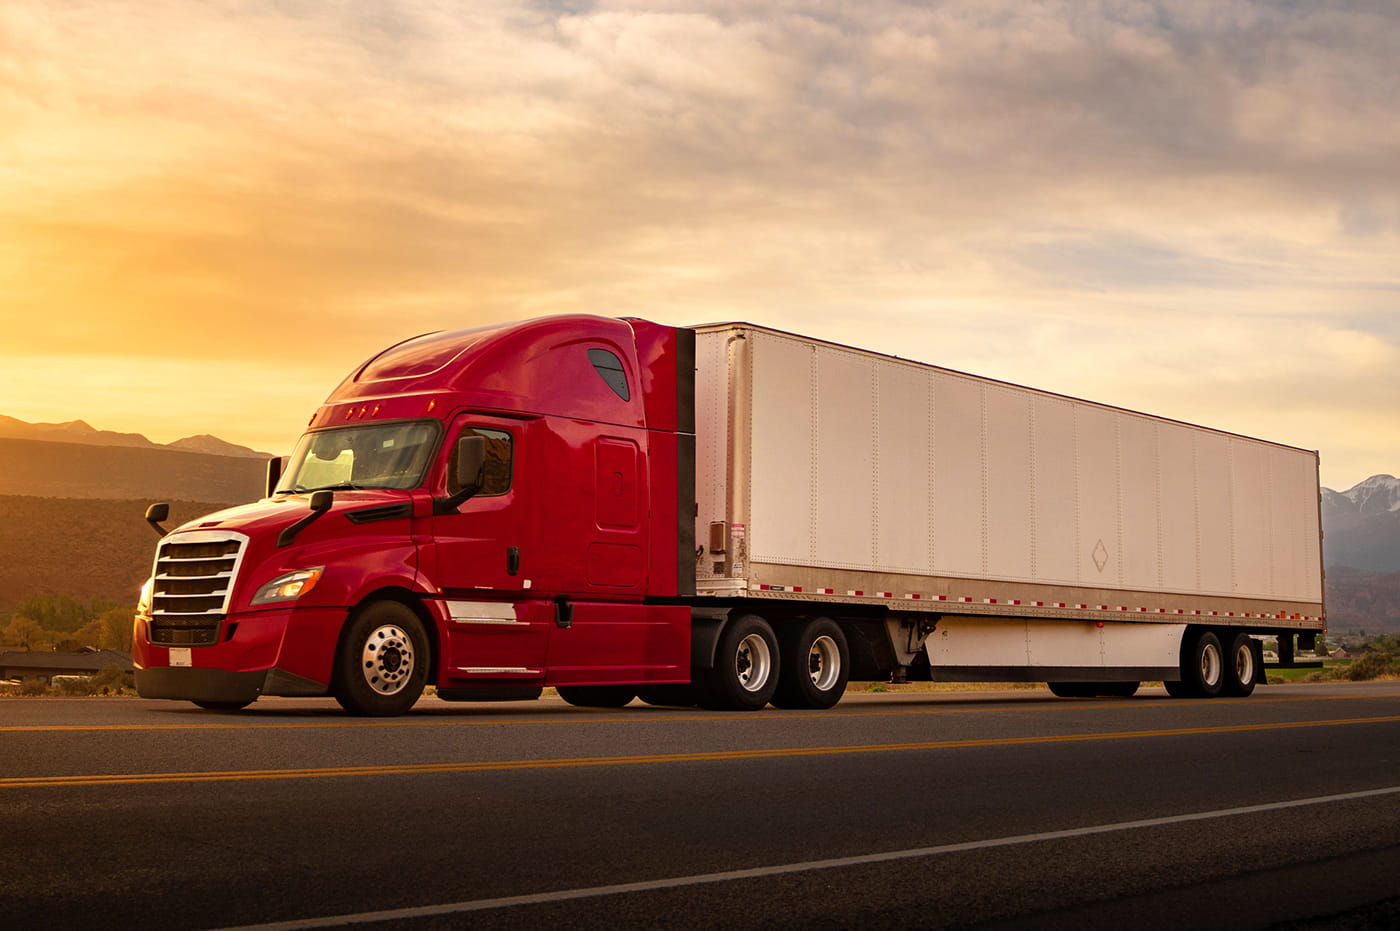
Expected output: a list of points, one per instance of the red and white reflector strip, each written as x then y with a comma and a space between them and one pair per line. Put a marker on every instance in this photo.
1016, 602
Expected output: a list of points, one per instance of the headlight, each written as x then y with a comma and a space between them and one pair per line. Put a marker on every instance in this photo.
288, 587
143, 602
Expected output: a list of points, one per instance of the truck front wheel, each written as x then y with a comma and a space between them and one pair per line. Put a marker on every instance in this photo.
745, 674
382, 664
815, 666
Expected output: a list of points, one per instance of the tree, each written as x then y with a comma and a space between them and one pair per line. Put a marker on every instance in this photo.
116, 629
90, 634
54, 612
25, 632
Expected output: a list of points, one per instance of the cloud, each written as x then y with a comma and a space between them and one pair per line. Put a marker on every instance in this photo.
296, 183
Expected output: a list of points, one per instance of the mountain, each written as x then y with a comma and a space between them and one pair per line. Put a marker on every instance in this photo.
1361, 526
45, 469
80, 547
79, 431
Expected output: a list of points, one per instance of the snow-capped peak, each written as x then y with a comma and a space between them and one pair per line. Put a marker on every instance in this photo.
1376, 495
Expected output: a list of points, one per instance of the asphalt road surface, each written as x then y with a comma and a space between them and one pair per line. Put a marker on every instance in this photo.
989, 809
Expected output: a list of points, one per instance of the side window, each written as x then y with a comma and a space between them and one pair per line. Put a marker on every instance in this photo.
609, 367
500, 454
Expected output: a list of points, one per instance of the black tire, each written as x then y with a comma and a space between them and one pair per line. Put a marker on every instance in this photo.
745, 674
672, 695
224, 705
1202, 665
383, 659
1178, 689
1118, 689
1241, 667
1071, 689
816, 663
597, 696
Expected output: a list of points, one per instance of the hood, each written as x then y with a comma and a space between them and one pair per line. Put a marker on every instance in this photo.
273, 514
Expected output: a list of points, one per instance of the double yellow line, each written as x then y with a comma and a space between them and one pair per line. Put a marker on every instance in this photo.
402, 769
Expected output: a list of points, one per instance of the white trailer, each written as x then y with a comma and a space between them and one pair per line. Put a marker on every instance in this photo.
968, 529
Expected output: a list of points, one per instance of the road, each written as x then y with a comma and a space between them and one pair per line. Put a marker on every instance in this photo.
994, 809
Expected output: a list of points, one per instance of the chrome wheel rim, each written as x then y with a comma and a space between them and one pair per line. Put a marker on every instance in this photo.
824, 663
1211, 666
1244, 664
387, 659
753, 663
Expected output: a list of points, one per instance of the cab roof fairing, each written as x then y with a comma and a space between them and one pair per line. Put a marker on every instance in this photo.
516, 367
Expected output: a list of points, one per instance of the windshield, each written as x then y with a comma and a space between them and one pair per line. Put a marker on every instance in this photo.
387, 455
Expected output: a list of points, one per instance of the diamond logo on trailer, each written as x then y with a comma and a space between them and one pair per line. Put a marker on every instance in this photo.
1100, 555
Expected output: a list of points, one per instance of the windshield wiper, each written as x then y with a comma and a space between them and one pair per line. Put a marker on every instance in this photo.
338, 486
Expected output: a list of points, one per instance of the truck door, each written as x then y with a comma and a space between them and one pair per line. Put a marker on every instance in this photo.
476, 558
612, 635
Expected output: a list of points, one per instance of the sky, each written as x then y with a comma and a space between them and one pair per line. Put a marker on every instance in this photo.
211, 211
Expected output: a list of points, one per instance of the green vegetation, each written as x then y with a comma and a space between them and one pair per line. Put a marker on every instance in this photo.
1376, 657
110, 680
65, 624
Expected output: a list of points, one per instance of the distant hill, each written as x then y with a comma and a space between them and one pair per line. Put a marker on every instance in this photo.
81, 547
79, 431
1360, 599
71, 470
73, 499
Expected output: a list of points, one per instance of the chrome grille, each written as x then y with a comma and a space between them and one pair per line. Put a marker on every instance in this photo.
194, 576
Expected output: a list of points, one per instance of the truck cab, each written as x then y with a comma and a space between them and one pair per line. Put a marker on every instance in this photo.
377, 564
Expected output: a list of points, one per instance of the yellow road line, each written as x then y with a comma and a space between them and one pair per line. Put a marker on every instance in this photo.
583, 717
24, 782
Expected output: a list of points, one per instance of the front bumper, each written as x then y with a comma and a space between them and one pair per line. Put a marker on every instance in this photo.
190, 684
289, 651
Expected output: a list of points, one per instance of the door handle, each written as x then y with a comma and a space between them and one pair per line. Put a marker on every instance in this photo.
563, 612
513, 560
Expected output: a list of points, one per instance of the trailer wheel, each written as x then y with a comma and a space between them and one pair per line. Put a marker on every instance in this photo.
1241, 667
668, 694
223, 705
597, 696
1202, 666
1179, 689
745, 674
816, 664
382, 664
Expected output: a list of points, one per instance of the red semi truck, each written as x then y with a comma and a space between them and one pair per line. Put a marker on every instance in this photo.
729, 516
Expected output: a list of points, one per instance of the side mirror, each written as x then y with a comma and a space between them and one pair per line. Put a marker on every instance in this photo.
275, 467
157, 513
471, 460
321, 502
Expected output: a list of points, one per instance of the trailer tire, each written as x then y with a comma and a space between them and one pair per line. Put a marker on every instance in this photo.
1179, 689
1202, 666
597, 696
1241, 667
745, 673
816, 664
669, 694
382, 664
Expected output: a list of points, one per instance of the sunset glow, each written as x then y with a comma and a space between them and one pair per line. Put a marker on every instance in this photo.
212, 211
